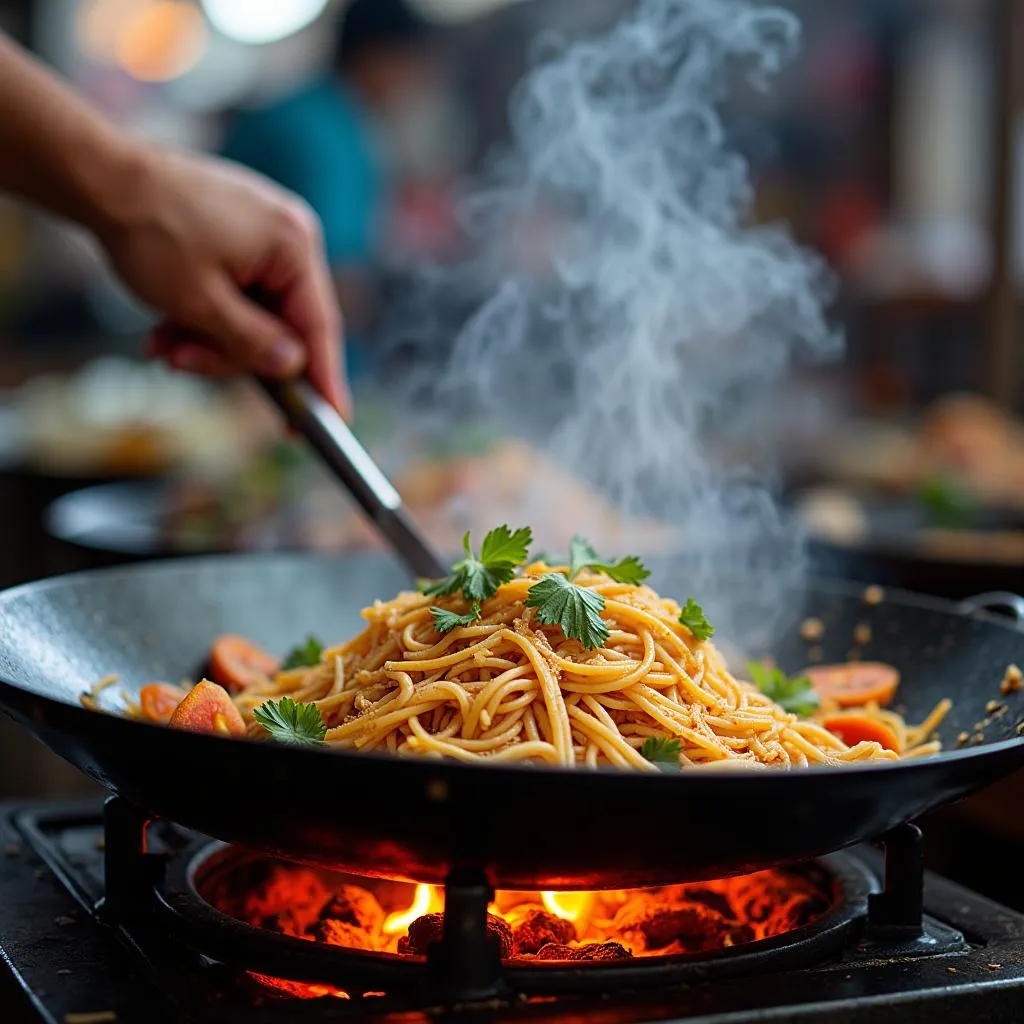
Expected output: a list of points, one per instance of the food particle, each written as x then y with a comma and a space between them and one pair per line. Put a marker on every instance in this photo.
873, 595
1011, 680
962, 739
978, 737
862, 634
63, 921
993, 967
1020, 729
63, 972
812, 629
952, 970
992, 707
100, 1017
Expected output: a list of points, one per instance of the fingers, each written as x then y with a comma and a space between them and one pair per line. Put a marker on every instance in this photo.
242, 333
307, 302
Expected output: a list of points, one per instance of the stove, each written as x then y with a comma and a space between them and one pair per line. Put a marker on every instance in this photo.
102, 921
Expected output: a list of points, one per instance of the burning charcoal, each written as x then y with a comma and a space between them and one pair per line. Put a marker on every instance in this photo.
539, 928
288, 901
354, 906
428, 929
649, 923
596, 951
339, 933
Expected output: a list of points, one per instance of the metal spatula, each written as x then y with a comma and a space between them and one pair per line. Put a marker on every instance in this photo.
319, 423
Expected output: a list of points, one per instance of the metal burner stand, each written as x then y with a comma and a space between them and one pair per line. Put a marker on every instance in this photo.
465, 966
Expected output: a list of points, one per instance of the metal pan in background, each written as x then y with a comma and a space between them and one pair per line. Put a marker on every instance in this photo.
526, 826
896, 542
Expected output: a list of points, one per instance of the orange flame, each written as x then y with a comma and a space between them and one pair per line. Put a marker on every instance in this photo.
427, 900
570, 906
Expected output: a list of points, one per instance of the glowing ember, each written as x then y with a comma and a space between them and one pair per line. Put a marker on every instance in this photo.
401, 919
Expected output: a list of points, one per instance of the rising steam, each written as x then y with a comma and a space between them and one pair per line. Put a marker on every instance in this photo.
623, 307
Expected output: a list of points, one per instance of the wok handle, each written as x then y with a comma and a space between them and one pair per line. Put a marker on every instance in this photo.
998, 600
328, 434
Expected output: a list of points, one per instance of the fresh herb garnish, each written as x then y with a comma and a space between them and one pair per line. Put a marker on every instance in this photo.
288, 722
795, 694
501, 553
946, 503
694, 619
628, 570
662, 751
445, 621
576, 609
304, 656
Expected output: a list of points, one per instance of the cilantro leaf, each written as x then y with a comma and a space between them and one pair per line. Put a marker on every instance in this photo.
693, 618
946, 503
288, 722
576, 609
445, 621
502, 545
629, 570
795, 694
662, 751
503, 551
303, 656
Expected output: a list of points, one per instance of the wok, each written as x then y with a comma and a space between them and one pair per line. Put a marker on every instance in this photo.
528, 827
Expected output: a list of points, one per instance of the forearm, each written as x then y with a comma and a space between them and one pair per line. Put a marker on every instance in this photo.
55, 150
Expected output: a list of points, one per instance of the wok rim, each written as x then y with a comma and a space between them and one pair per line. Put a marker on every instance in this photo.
23, 695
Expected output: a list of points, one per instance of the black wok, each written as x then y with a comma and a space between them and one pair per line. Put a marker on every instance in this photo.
528, 827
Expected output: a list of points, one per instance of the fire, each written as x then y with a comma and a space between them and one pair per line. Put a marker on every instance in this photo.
570, 906
427, 900
398, 918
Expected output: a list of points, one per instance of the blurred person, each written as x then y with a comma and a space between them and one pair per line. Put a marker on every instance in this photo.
189, 235
327, 142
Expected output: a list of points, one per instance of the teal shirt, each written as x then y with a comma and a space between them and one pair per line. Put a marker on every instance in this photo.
317, 143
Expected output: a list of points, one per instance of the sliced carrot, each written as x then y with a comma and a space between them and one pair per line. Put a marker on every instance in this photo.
236, 663
158, 701
853, 729
207, 707
855, 683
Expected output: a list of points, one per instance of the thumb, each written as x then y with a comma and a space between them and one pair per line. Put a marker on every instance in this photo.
248, 334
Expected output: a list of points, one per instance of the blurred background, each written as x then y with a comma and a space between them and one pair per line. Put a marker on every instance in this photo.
893, 145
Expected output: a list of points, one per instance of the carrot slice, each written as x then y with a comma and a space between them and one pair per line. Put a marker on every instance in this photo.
854, 683
236, 663
853, 729
159, 700
207, 707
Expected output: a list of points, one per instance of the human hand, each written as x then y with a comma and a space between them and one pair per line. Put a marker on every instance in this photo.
200, 233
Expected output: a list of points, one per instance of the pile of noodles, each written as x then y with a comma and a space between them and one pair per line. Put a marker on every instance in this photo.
509, 689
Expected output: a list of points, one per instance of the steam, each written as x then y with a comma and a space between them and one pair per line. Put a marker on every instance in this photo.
623, 311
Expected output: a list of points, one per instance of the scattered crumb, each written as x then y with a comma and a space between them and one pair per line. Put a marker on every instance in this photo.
873, 595
862, 634
993, 967
12, 850
64, 972
815, 654
962, 739
992, 707
63, 921
1011, 680
978, 737
952, 970
99, 1017
1020, 729
812, 629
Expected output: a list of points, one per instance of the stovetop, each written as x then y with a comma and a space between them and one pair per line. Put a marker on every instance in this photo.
62, 962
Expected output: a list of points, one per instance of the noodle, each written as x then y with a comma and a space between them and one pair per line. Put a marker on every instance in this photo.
510, 689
